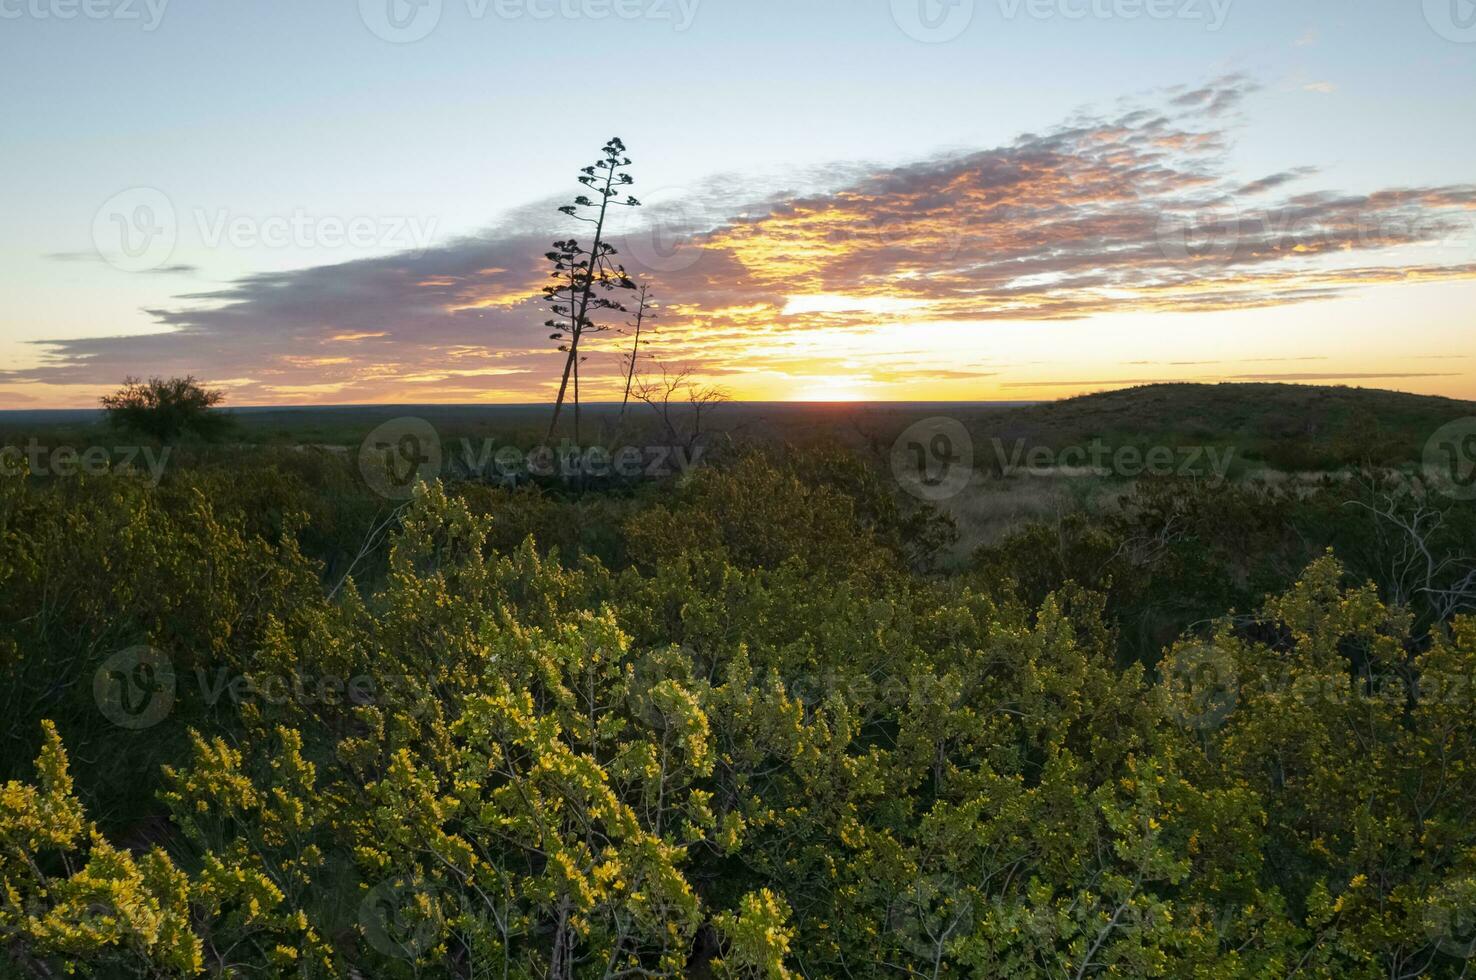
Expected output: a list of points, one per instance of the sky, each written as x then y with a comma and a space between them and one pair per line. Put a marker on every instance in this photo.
349, 201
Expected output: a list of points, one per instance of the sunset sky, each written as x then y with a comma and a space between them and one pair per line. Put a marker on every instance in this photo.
346, 202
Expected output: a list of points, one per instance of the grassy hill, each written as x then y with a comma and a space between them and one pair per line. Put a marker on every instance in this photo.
1287, 426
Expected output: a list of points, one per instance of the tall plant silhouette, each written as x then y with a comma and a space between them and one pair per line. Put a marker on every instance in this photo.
583, 276
643, 315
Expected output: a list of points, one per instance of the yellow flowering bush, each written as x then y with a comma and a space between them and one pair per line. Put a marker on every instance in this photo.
754, 740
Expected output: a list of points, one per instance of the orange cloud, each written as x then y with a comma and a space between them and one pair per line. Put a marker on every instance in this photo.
842, 290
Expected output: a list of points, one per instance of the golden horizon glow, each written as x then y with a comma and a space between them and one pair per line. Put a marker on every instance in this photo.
1111, 252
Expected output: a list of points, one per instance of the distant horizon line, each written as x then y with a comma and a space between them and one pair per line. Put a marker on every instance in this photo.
765, 403
548, 406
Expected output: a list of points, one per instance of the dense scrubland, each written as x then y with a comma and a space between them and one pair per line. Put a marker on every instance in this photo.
768, 716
